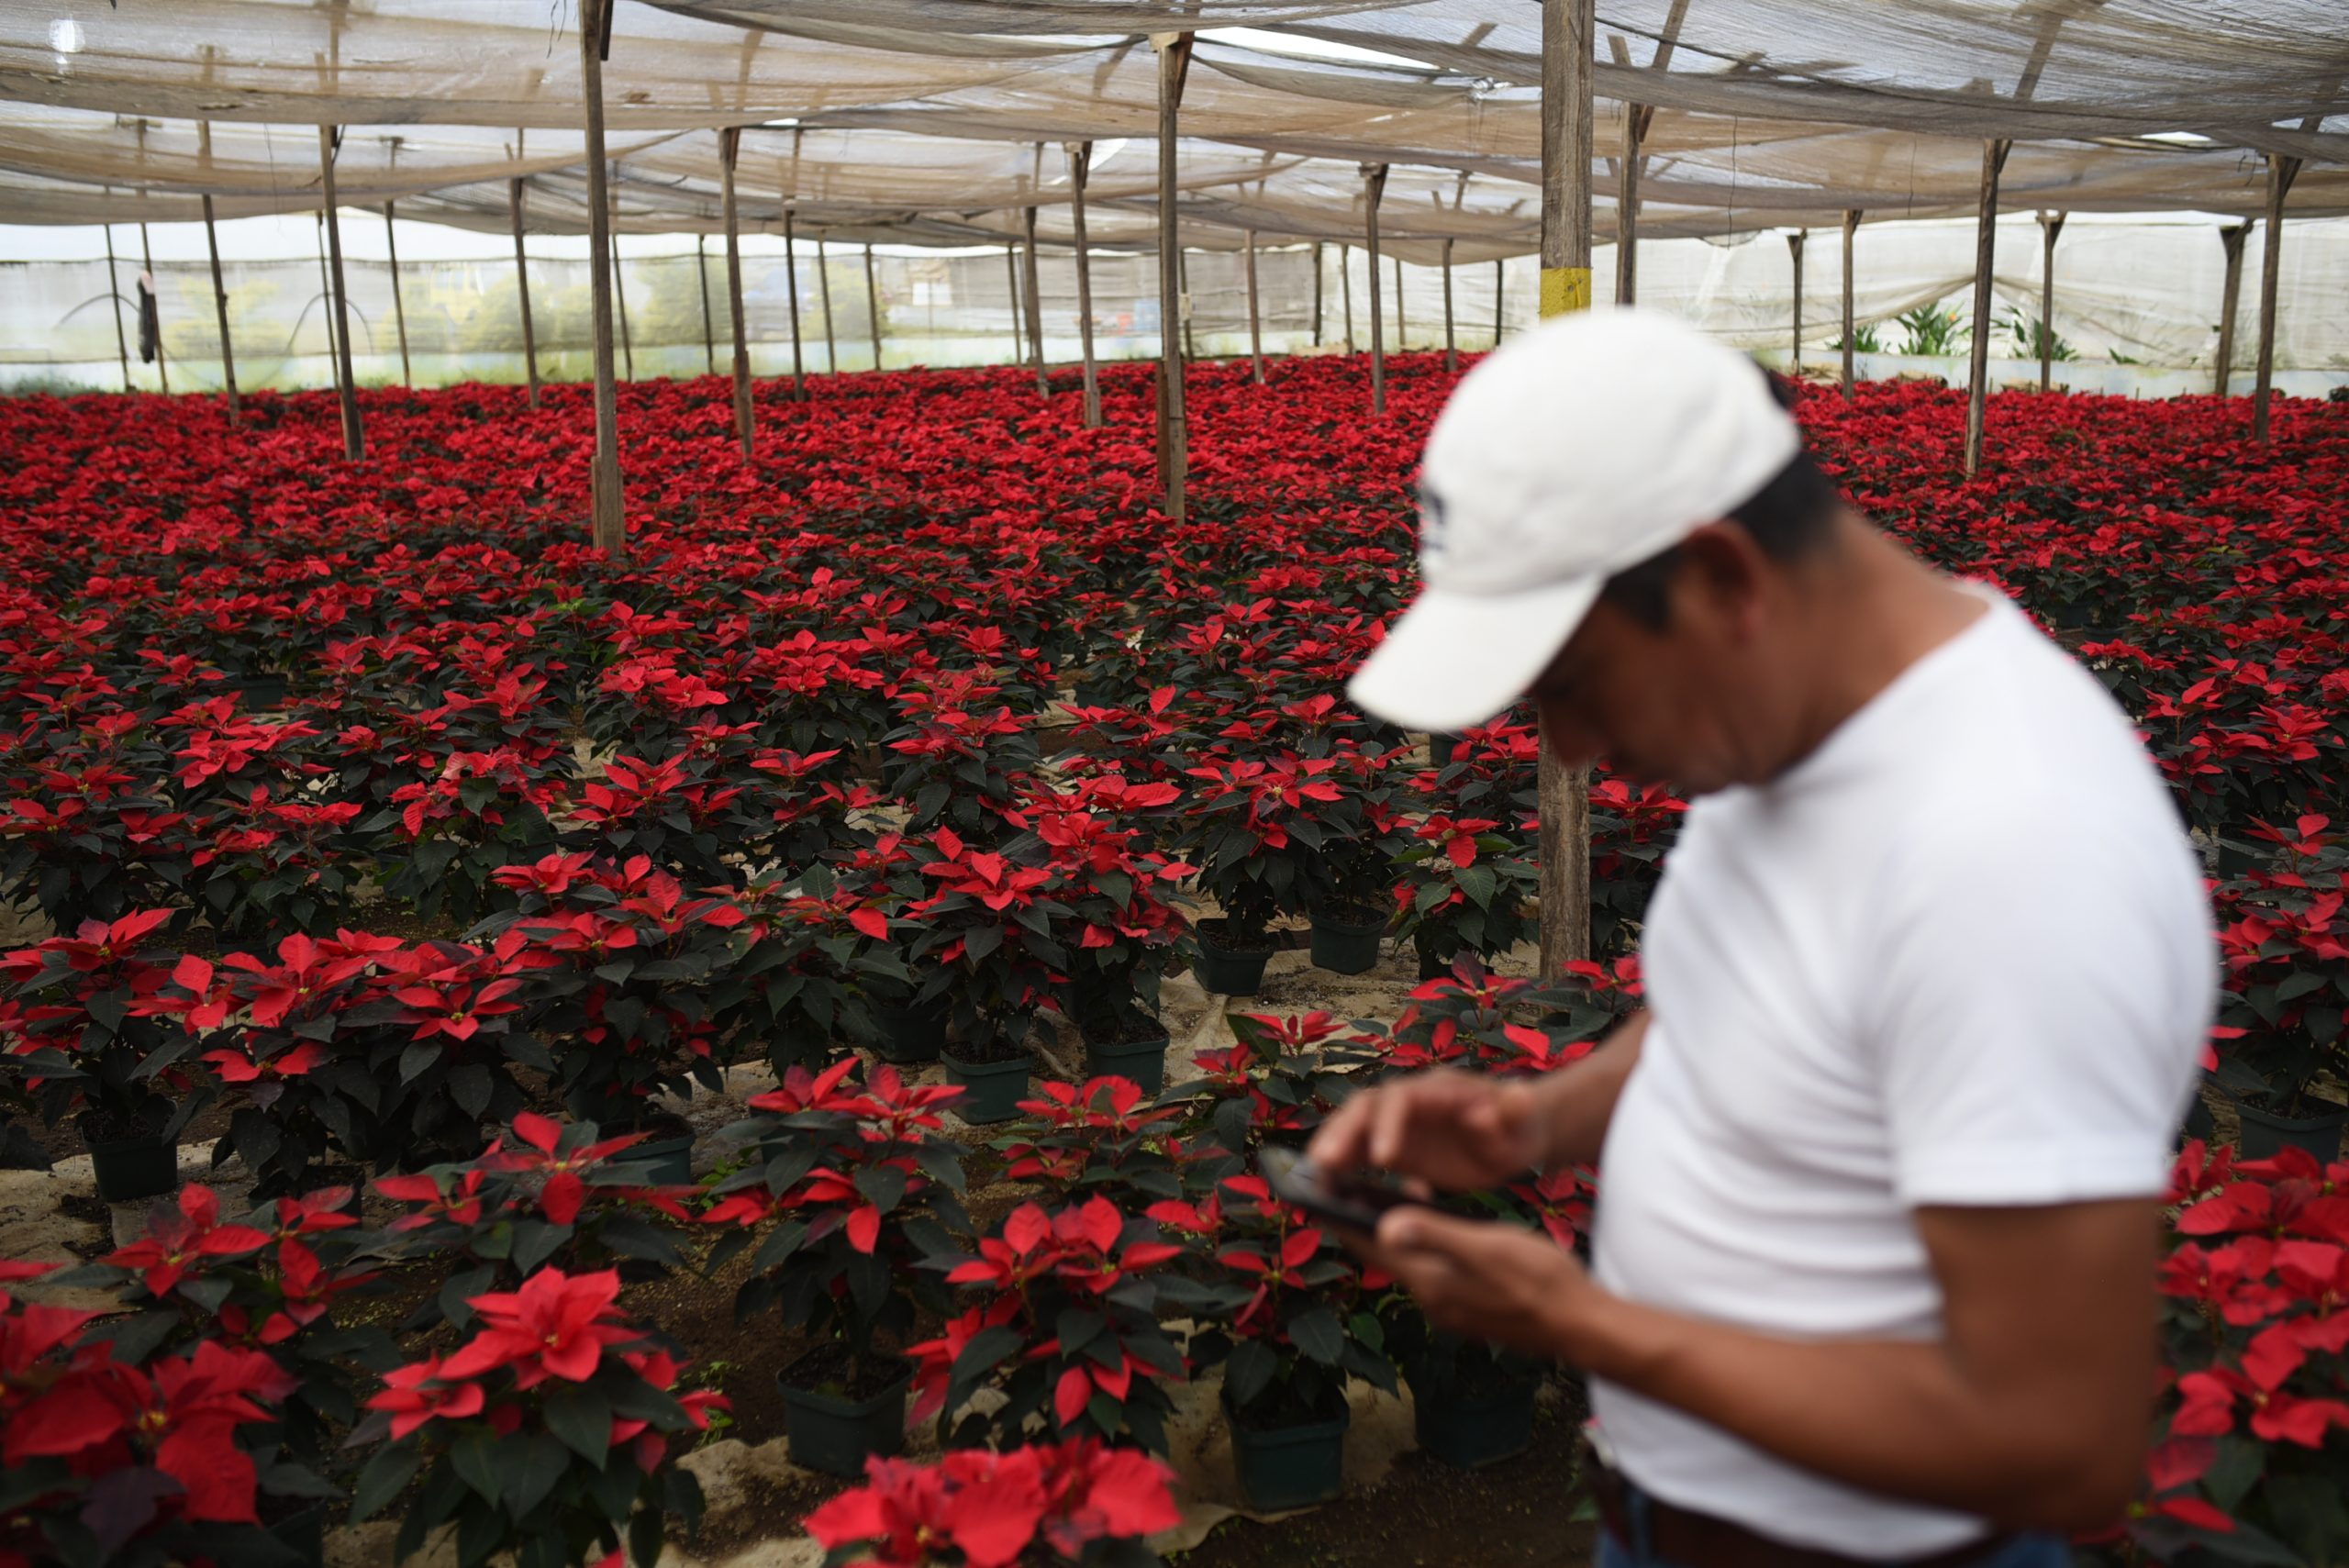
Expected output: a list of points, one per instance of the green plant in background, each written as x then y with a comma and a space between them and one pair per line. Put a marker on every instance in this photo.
2030, 333
2120, 358
1865, 340
1932, 330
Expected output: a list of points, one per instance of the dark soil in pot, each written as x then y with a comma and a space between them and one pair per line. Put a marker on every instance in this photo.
1230, 963
835, 1421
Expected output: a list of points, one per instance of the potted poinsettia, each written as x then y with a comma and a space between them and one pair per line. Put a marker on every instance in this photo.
845, 1188
961, 758
1080, 1503
1463, 887
103, 1035
818, 951
2283, 1037
549, 1432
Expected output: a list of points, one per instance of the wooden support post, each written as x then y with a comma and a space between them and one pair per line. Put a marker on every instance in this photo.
399, 304
1985, 248
1183, 279
1373, 186
114, 289
2281, 173
608, 517
1851, 227
1011, 293
1451, 343
2051, 224
1174, 429
354, 439
326, 296
619, 290
1346, 290
709, 326
791, 271
1255, 317
522, 290
1080, 164
1564, 791
1500, 300
1033, 287
155, 287
2232, 239
1794, 243
873, 305
824, 296
729, 150
1627, 205
1402, 332
220, 303
1320, 264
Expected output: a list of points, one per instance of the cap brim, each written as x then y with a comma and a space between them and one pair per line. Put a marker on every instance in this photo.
1455, 660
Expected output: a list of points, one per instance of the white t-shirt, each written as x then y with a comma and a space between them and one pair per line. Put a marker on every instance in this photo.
1958, 956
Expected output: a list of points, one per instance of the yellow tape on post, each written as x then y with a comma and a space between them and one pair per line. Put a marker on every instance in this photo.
1565, 289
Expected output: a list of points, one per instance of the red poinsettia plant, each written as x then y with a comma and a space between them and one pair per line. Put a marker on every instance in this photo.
1079, 1503
101, 1030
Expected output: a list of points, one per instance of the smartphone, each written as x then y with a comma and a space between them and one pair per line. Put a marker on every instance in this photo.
1349, 1198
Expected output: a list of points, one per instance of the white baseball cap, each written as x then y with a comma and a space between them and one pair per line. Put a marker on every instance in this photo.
1585, 447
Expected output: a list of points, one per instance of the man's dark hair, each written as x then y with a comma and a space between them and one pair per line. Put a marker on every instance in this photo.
1787, 517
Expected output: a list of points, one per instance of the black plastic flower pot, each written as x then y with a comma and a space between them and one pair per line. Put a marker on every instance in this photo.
668, 1162
2266, 1134
1442, 748
1290, 1467
1470, 1432
301, 1537
1143, 1060
129, 1169
1346, 947
907, 1035
1229, 971
835, 1434
1433, 966
991, 1090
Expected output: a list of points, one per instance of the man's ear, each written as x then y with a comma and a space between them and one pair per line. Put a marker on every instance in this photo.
1721, 579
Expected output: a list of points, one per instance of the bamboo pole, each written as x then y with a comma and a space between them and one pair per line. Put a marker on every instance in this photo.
1174, 436
1373, 186
823, 295
522, 290
1564, 792
609, 517
155, 287
399, 305
2051, 225
354, 438
1255, 317
873, 305
619, 290
1034, 289
1451, 343
2232, 239
1794, 243
791, 271
1851, 227
114, 289
709, 326
1986, 246
2281, 173
729, 150
220, 303
1080, 164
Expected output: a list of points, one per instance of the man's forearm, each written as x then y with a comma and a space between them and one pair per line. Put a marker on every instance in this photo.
1577, 1101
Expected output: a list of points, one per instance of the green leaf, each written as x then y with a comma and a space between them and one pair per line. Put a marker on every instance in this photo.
384, 1478
475, 1457
1249, 1371
1476, 882
582, 1420
883, 1186
1317, 1333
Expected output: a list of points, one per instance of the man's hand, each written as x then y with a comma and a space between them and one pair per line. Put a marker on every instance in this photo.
1484, 1281
1456, 1131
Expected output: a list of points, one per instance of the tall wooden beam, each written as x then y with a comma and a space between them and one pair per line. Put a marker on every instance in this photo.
791, 271
220, 303
1794, 243
873, 305
608, 517
1451, 343
2051, 224
1034, 287
354, 439
1851, 228
1011, 293
1190, 316
1986, 250
1500, 299
114, 290
1080, 165
522, 290
619, 289
1373, 186
1637, 119
1564, 791
155, 288
730, 151
1402, 332
2281, 173
1255, 317
709, 326
824, 297
2232, 239
1346, 290
399, 304
1173, 431
1320, 265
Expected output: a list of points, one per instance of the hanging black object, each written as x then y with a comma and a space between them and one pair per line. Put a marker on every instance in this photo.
151, 324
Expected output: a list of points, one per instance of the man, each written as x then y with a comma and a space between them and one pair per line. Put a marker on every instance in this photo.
1927, 978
